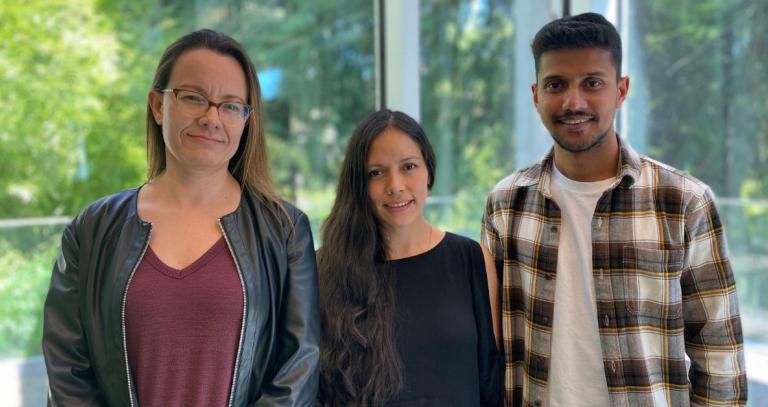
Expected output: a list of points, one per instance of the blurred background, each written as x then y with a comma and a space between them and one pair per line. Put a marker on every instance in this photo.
74, 75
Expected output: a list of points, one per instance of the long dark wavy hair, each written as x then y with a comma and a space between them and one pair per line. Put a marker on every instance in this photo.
360, 365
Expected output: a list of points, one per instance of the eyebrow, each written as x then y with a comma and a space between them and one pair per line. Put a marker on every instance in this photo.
409, 158
600, 74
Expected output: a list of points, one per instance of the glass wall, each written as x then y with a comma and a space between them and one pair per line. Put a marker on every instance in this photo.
476, 101
697, 101
75, 75
702, 92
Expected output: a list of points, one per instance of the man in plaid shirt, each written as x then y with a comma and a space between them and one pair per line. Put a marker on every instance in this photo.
614, 266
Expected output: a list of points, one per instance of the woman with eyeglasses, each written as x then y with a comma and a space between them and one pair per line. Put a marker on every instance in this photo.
406, 307
198, 288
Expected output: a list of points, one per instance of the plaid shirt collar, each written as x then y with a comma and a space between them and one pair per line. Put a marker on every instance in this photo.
539, 175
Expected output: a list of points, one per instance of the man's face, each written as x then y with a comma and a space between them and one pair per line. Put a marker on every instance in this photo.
576, 94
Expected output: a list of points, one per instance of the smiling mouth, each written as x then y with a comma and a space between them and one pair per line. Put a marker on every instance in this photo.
398, 205
574, 120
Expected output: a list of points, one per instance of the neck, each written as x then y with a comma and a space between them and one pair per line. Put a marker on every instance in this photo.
196, 189
595, 164
408, 241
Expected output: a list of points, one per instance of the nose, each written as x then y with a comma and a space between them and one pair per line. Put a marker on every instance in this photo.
394, 183
574, 100
211, 118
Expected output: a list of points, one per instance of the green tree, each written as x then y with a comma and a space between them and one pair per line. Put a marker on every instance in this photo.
323, 51
706, 74
50, 68
467, 107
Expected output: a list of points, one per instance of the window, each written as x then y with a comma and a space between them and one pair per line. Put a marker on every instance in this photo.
75, 78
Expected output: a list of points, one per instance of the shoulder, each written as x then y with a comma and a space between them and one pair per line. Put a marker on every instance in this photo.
461, 246
280, 211
280, 217
454, 241
523, 177
519, 181
109, 208
117, 201
464, 257
672, 183
295, 214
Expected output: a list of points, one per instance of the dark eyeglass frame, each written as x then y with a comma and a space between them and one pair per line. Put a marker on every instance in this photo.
209, 102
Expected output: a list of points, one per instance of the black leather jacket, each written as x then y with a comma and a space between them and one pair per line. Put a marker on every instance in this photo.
277, 360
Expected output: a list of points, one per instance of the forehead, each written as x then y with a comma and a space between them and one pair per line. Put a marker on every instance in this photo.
210, 71
392, 145
575, 62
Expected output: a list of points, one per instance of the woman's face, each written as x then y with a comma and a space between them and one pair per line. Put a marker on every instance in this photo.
397, 179
201, 142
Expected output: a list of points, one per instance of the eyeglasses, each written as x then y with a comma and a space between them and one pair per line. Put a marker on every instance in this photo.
194, 104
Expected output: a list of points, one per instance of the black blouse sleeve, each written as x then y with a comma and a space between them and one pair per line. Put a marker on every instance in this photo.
489, 358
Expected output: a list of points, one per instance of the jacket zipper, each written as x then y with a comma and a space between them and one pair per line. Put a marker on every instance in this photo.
242, 323
122, 315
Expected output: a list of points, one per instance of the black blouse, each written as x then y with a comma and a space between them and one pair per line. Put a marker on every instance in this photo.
444, 329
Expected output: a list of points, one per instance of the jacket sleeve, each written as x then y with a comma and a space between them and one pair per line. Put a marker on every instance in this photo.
713, 337
296, 366
71, 378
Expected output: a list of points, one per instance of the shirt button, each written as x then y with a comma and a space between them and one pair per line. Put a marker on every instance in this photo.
599, 222
537, 403
553, 229
600, 273
606, 321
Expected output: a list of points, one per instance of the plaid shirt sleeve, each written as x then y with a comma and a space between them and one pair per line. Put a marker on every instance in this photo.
713, 337
489, 237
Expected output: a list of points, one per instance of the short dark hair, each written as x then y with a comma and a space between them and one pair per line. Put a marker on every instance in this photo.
588, 30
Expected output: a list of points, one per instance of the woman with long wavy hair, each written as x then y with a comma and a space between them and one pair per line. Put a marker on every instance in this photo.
406, 307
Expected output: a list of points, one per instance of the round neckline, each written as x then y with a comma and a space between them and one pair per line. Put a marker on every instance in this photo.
433, 248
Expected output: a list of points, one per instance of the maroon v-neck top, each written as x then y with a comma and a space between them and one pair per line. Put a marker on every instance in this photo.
183, 328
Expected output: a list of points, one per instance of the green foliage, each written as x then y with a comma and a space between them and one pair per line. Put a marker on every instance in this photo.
57, 57
26, 258
324, 51
707, 77
466, 88
75, 75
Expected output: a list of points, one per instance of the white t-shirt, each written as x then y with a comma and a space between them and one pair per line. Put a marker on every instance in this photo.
576, 373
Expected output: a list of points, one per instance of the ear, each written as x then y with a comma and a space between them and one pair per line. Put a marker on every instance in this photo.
534, 88
155, 101
623, 86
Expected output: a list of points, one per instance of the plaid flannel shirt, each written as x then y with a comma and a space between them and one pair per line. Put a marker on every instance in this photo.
663, 286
